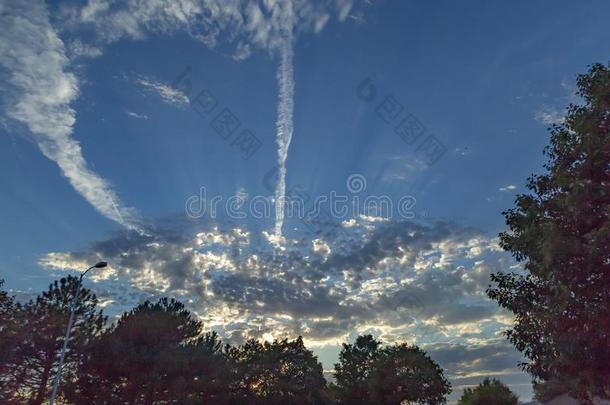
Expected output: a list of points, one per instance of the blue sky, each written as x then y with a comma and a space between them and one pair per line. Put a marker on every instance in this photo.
103, 81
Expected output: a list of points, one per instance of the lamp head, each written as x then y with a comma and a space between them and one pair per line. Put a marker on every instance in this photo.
99, 265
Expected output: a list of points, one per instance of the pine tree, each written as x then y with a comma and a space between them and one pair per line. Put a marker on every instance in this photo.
39, 328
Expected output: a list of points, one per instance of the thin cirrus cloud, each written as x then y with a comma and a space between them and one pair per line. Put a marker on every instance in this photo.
249, 25
77, 49
41, 91
167, 93
137, 116
549, 116
510, 187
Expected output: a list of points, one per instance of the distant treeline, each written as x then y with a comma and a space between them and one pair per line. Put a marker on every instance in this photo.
157, 353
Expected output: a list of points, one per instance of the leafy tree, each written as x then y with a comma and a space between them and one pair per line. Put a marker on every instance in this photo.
561, 232
355, 366
404, 373
157, 354
38, 329
370, 374
145, 357
278, 372
489, 392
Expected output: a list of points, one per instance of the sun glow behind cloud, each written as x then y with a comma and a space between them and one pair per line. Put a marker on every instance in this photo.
323, 291
246, 283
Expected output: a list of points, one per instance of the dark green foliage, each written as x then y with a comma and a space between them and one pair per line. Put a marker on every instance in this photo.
146, 357
7, 329
368, 373
34, 337
278, 372
489, 392
6, 306
355, 366
547, 390
561, 232
157, 353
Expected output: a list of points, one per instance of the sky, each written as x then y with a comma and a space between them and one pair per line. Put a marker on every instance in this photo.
163, 136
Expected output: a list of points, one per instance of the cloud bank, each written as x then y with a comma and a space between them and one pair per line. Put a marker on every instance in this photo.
396, 280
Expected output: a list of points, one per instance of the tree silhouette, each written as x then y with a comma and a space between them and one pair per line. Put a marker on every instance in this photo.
354, 368
489, 392
158, 354
404, 373
8, 331
212, 369
6, 306
370, 374
278, 372
561, 232
143, 358
545, 391
38, 329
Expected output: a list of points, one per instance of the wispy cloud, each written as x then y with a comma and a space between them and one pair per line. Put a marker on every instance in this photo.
78, 49
553, 111
246, 24
41, 91
510, 187
168, 94
136, 115
549, 116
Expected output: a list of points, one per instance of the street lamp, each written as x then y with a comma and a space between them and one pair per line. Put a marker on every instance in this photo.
98, 265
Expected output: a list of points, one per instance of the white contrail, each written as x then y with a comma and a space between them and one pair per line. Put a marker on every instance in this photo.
284, 122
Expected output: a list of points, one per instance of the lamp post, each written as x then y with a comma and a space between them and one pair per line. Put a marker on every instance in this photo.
73, 301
